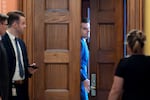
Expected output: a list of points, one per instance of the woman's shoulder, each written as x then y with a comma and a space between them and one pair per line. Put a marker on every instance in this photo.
125, 58
148, 57
123, 61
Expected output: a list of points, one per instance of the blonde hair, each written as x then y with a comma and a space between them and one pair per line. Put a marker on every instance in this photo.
135, 40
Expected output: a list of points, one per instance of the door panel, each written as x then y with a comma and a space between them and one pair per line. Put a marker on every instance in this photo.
106, 43
57, 49
135, 9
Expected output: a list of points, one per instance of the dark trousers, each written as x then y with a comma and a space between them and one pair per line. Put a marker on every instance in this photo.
22, 92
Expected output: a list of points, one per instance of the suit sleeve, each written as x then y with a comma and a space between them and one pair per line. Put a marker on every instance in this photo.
25, 57
83, 74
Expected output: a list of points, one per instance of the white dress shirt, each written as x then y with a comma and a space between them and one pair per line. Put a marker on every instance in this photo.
16, 74
0, 37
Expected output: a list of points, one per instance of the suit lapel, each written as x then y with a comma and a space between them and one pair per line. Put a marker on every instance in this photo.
9, 45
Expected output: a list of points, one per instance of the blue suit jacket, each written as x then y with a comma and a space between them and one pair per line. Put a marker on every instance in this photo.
12, 59
84, 68
84, 59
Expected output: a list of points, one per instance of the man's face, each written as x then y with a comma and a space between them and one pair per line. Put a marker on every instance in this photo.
21, 25
3, 27
85, 30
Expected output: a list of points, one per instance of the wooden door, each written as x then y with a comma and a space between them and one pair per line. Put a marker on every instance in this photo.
57, 49
106, 44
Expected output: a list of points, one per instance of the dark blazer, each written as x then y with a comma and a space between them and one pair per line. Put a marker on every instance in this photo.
3, 73
12, 59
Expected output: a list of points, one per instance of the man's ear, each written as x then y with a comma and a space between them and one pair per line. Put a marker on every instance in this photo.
14, 24
1, 23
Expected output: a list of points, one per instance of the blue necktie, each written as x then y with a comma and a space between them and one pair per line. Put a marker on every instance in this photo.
21, 72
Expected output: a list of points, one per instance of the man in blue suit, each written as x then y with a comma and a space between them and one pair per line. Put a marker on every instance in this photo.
19, 68
84, 59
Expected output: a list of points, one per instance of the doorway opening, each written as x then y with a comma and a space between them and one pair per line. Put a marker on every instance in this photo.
104, 52
85, 10
125, 26
85, 13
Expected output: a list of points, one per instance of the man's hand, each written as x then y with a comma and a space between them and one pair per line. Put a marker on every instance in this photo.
32, 68
0, 98
87, 85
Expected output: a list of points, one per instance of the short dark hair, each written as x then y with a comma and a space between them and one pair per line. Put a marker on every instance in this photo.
14, 16
85, 20
3, 18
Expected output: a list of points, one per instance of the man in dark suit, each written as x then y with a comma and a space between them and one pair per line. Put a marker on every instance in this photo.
19, 68
3, 61
84, 60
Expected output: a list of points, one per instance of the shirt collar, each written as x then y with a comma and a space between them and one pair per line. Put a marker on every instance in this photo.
84, 39
11, 35
0, 37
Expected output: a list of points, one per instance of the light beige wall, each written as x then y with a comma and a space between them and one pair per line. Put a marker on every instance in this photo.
147, 25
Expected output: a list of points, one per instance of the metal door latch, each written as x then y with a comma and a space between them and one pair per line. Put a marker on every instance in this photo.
93, 84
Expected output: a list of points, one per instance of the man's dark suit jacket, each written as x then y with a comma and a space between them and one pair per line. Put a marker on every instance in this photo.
3, 73
12, 60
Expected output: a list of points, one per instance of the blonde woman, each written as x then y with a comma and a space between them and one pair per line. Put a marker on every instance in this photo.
131, 80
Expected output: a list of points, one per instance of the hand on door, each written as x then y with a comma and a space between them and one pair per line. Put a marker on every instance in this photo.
87, 85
